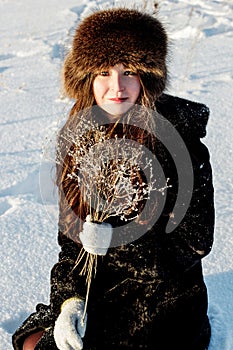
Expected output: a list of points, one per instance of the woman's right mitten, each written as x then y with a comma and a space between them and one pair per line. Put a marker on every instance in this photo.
70, 325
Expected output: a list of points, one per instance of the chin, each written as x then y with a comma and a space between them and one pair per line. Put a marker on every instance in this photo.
117, 109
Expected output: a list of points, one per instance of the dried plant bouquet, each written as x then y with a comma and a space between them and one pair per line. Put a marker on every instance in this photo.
109, 171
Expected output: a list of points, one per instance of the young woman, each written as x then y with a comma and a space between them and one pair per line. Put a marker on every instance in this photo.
148, 292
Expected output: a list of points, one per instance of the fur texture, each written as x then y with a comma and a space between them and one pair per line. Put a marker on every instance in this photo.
105, 38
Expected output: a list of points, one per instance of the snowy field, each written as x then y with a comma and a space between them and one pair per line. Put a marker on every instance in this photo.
34, 38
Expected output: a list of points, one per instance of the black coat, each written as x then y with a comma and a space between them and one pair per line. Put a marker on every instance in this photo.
148, 294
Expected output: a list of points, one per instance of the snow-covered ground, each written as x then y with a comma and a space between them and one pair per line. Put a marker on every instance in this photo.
34, 38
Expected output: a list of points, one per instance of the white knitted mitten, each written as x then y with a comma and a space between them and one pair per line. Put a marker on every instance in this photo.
96, 238
70, 327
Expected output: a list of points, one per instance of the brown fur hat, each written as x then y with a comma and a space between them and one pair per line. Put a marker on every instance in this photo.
119, 35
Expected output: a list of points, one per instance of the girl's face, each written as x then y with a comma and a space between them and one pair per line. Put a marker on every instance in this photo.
116, 90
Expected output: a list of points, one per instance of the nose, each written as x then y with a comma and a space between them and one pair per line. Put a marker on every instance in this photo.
117, 82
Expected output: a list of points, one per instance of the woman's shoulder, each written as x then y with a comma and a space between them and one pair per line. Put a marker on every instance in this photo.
189, 117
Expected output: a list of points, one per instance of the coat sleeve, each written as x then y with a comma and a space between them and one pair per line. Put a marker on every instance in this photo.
192, 239
66, 281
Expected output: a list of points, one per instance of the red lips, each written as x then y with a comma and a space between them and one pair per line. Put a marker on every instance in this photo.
118, 99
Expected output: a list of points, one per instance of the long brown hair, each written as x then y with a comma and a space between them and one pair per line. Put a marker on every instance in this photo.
72, 208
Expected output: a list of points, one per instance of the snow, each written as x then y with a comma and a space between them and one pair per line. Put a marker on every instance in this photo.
35, 36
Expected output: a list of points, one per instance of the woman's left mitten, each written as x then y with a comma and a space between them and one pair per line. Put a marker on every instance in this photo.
96, 238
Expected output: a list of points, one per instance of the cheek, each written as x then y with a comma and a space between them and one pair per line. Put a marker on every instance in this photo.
135, 89
95, 87
97, 91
